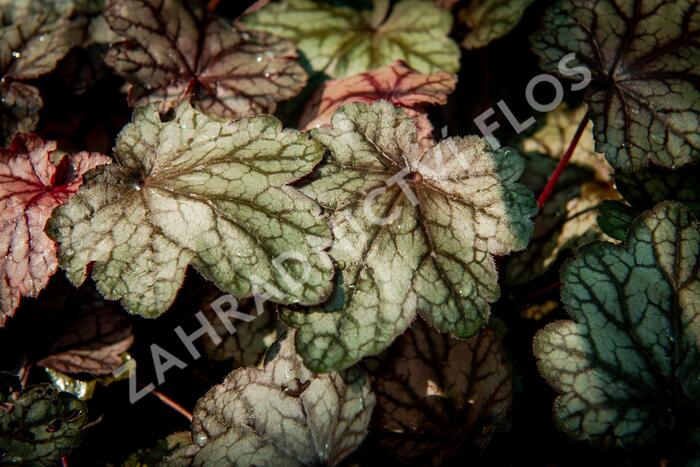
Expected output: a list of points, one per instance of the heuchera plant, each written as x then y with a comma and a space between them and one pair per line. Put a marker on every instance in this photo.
346, 266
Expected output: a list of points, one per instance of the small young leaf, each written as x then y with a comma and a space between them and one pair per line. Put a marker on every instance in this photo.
31, 186
171, 51
40, 427
341, 41
415, 232
629, 359
195, 190
614, 218
31, 43
437, 394
643, 57
396, 83
489, 20
280, 415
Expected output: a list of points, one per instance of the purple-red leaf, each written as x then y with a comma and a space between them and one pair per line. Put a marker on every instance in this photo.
396, 83
172, 53
31, 186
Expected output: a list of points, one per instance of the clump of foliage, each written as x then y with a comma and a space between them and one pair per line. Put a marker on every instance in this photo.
398, 253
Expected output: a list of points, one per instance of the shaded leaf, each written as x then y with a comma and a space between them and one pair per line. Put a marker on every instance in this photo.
92, 342
396, 83
568, 219
629, 360
32, 41
645, 188
397, 258
437, 394
193, 190
19, 109
642, 55
554, 137
163, 448
489, 20
566, 222
172, 53
341, 41
614, 218
247, 346
40, 427
281, 415
31, 186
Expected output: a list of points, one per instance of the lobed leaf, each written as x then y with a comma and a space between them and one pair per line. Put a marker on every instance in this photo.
31, 187
173, 53
396, 83
397, 258
628, 362
193, 190
341, 41
437, 394
642, 56
40, 426
32, 41
281, 415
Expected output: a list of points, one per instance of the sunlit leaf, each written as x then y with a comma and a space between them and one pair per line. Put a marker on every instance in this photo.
437, 394
31, 186
341, 41
642, 55
40, 427
31, 43
397, 258
281, 415
630, 359
193, 190
172, 53
396, 83
489, 20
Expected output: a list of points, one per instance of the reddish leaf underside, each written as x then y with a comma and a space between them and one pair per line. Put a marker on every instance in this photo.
31, 186
396, 83
172, 53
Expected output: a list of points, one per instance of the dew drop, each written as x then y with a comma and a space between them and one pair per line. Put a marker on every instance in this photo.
258, 58
16, 54
341, 264
245, 36
267, 75
136, 186
200, 439
42, 38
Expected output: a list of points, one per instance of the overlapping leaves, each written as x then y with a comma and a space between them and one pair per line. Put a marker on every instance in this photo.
396, 83
628, 363
193, 190
437, 395
342, 41
414, 232
643, 60
31, 187
280, 415
32, 41
174, 53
